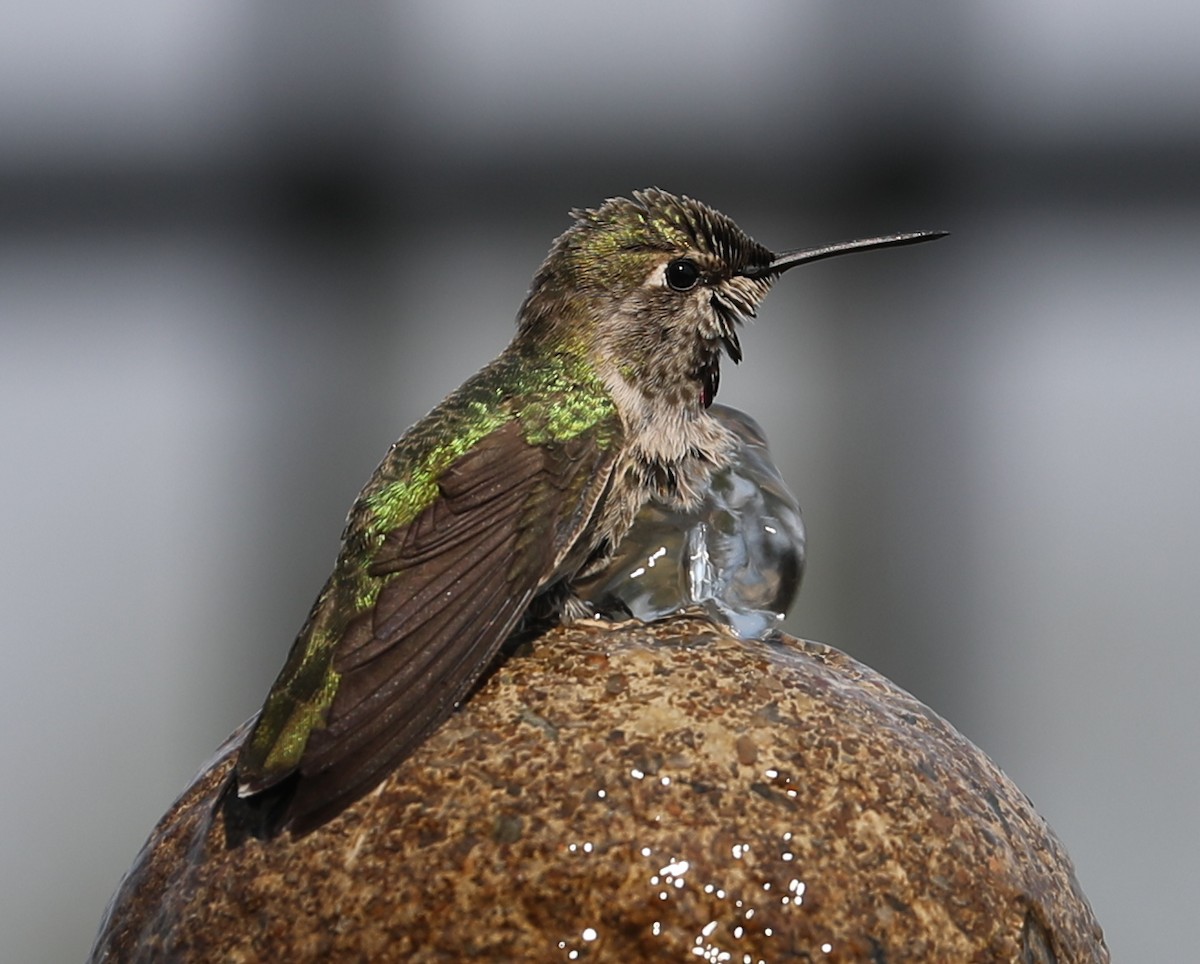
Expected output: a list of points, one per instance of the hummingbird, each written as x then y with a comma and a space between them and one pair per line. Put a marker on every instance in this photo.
519, 483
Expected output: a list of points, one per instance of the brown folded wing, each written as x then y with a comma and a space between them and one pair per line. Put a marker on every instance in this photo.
458, 579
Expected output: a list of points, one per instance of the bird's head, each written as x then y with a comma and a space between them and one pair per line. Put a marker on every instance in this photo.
653, 288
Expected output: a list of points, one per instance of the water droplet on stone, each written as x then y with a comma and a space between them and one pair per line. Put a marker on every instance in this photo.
739, 555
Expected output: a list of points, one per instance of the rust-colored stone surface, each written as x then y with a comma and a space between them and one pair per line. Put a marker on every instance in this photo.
637, 793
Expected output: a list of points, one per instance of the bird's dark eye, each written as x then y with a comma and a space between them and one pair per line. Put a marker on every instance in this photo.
682, 274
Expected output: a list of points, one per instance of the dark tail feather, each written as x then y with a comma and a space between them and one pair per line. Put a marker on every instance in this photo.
261, 816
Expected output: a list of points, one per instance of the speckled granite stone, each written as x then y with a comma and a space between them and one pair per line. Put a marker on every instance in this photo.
637, 793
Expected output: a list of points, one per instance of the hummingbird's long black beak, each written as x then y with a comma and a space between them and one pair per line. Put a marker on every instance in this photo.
789, 259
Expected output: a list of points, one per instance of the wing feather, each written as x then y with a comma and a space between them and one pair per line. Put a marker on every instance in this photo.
456, 581
435, 626
427, 587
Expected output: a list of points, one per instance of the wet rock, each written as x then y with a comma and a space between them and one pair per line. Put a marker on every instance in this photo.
724, 800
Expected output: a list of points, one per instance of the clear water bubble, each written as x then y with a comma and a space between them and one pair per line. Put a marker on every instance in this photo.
739, 555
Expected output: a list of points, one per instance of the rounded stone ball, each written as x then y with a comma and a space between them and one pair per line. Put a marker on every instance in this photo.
634, 792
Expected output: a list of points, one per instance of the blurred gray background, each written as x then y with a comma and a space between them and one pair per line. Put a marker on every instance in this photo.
244, 245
